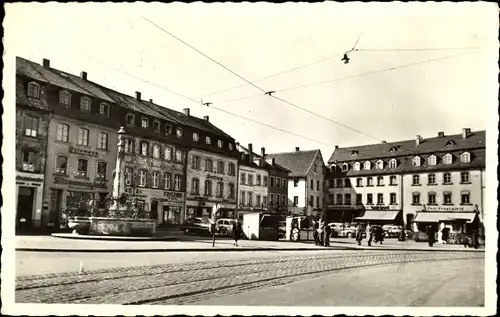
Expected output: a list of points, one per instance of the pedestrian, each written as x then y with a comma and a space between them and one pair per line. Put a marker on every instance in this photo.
328, 232
359, 233
369, 234
321, 231
430, 235
475, 238
315, 231
237, 230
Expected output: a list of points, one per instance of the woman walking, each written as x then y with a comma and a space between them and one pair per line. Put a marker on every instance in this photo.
237, 230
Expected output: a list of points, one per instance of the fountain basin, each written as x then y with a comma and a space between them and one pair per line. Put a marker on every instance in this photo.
128, 227
79, 225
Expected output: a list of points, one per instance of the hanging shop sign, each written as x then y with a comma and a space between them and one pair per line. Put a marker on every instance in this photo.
88, 152
449, 209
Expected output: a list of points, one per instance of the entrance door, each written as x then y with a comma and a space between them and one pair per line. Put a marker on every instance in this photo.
25, 201
154, 210
165, 210
55, 206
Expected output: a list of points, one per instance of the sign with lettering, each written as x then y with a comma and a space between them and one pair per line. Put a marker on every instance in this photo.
88, 152
29, 177
450, 208
170, 195
70, 182
379, 208
214, 177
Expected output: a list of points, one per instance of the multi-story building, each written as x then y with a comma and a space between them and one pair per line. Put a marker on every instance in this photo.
417, 182
305, 181
32, 119
81, 142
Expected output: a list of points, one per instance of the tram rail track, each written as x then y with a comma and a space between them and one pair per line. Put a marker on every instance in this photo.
177, 284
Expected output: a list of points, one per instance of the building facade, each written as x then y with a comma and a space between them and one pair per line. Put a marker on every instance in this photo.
305, 181
436, 181
32, 120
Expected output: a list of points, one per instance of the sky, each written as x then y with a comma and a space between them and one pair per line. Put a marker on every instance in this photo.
427, 91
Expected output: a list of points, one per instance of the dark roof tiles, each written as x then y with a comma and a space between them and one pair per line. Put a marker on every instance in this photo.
298, 162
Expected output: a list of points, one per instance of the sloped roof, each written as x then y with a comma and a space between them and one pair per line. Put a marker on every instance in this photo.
268, 166
477, 139
297, 162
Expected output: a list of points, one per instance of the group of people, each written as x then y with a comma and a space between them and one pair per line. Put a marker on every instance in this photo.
321, 233
373, 233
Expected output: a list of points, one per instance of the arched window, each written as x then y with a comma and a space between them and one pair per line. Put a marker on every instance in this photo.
416, 161
345, 167
156, 151
447, 159
168, 153
61, 165
431, 160
465, 157
380, 164
208, 187
393, 163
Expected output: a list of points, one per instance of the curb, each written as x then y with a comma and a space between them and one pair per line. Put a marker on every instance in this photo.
115, 238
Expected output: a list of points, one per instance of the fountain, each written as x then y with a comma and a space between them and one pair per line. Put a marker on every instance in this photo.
122, 216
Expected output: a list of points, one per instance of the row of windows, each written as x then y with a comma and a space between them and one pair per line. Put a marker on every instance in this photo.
62, 135
416, 161
220, 168
447, 198
82, 168
431, 198
312, 184
219, 190
170, 182
154, 150
416, 180
311, 201
246, 199
168, 130
277, 182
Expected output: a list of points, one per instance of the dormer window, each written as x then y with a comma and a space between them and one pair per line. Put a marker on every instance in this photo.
65, 98
447, 159
85, 104
393, 149
168, 129
450, 143
144, 123
416, 161
230, 145
104, 110
345, 167
356, 166
431, 160
196, 137
33, 90
208, 140
219, 143
156, 126
393, 163
367, 166
179, 132
354, 153
130, 119
380, 164
465, 157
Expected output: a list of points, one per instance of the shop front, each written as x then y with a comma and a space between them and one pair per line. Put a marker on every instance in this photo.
202, 207
169, 208
451, 224
29, 197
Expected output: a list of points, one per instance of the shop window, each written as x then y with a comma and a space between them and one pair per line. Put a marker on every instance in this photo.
30, 126
172, 215
101, 170
33, 90
155, 179
85, 104
82, 168
102, 141
65, 98
62, 134
61, 165
104, 110
83, 137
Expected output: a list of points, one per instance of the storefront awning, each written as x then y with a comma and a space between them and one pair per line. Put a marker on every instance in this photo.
445, 216
387, 215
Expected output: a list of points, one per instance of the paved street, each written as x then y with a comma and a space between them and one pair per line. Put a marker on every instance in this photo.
277, 278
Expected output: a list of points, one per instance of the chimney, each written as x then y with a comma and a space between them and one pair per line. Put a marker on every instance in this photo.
138, 95
336, 146
297, 149
206, 118
441, 134
465, 133
384, 142
418, 140
250, 154
250, 147
273, 161
46, 63
263, 151
83, 75
151, 100
186, 111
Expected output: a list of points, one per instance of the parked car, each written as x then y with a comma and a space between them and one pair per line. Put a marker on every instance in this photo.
337, 228
196, 226
281, 229
391, 231
224, 226
344, 230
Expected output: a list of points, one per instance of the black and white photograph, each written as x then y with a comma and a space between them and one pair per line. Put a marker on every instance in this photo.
246, 158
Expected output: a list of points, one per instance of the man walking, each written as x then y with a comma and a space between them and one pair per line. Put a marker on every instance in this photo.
237, 230
359, 233
316, 231
321, 231
328, 232
369, 234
